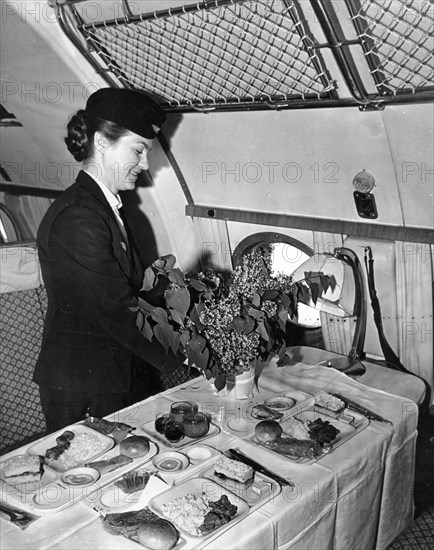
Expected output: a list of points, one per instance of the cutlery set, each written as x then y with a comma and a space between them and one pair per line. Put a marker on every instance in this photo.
238, 455
352, 405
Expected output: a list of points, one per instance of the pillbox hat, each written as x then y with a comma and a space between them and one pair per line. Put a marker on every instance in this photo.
130, 109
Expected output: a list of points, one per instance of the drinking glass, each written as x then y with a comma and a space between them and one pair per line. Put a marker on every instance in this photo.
179, 409
173, 431
195, 425
160, 422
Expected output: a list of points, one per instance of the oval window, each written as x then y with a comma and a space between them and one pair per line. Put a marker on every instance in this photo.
287, 255
286, 258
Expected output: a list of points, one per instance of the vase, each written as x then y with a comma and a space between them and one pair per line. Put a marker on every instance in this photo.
239, 386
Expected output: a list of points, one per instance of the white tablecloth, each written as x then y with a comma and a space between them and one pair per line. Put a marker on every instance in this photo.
358, 497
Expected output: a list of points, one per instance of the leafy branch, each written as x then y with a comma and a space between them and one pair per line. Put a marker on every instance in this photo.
224, 325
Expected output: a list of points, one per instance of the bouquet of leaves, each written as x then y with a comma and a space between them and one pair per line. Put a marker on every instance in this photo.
224, 324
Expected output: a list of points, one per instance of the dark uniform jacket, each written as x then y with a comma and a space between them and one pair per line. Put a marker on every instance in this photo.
92, 280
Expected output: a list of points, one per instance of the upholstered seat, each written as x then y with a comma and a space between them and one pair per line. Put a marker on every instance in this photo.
419, 535
21, 325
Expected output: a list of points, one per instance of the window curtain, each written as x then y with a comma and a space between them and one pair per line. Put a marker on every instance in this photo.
28, 211
337, 332
414, 282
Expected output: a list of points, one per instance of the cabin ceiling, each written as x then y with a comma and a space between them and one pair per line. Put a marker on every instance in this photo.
259, 54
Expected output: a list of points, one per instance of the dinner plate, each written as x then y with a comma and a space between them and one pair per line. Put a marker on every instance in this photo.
86, 446
197, 488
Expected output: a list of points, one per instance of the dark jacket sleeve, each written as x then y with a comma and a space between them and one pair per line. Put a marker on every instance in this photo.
87, 274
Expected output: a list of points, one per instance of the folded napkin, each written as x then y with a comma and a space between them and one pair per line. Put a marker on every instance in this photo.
117, 430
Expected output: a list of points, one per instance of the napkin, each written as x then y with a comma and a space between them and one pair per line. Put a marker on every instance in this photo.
134, 501
48, 530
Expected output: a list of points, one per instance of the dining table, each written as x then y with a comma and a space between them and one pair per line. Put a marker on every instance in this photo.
359, 495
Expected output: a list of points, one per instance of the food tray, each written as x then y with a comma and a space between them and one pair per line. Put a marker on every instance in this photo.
243, 425
197, 487
105, 443
353, 424
149, 430
260, 492
52, 495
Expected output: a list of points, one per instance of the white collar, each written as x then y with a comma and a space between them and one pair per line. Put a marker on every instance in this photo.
114, 200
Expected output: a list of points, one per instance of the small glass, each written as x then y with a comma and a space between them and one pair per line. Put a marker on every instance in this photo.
173, 431
160, 422
195, 425
179, 409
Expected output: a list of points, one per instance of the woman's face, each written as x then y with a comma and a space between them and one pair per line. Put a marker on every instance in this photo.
121, 162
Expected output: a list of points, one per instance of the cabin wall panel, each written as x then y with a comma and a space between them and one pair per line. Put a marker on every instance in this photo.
43, 87
410, 132
290, 162
385, 282
162, 202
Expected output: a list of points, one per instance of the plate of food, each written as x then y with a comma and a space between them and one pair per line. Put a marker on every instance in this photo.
239, 478
145, 527
307, 435
200, 508
71, 447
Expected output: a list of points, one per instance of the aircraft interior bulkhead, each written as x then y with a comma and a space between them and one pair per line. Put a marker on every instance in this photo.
299, 131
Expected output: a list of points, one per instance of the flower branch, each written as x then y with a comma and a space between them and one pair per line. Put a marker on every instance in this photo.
224, 325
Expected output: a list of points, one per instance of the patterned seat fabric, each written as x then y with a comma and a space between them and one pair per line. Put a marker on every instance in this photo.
21, 324
420, 534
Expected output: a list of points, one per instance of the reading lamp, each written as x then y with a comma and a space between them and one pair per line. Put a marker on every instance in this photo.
363, 183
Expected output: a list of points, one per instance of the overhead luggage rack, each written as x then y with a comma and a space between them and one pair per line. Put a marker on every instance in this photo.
261, 54
397, 40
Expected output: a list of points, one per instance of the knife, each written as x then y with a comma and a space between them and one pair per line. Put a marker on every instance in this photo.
238, 455
352, 405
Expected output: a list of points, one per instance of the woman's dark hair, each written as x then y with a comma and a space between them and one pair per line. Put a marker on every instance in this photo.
81, 129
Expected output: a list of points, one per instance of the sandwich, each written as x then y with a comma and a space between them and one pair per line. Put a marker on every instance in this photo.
235, 470
23, 469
